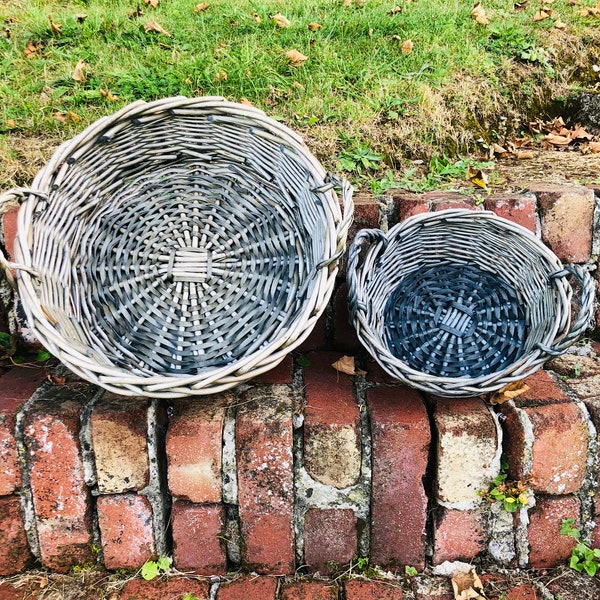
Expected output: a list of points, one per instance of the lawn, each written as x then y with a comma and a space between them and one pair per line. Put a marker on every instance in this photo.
370, 84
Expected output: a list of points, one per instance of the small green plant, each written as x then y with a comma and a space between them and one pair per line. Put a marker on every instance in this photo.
359, 158
512, 495
410, 571
154, 568
188, 596
583, 558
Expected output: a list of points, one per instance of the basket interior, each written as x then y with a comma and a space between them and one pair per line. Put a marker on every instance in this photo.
181, 245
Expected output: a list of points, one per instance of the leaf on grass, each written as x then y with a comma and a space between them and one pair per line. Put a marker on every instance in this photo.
594, 11
78, 74
314, 26
407, 47
152, 3
295, 58
256, 17
508, 392
478, 13
558, 24
33, 49
246, 102
541, 15
395, 10
201, 7
478, 178
68, 117
10, 124
280, 21
153, 26
467, 585
80, 17
134, 14
108, 95
517, 6
220, 76
56, 28
346, 365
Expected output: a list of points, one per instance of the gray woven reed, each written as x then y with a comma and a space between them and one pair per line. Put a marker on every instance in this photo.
461, 303
178, 247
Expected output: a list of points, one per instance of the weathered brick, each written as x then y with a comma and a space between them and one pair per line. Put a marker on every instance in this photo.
345, 337
119, 439
16, 387
408, 204
197, 538
15, 555
248, 588
523, 592
281, 374
376, 374
9, 591
593, 407
440, 200
329, 538
359, 589
432, 588
566, 214
518, 208
60, 497
309, 590
194, 449
547, 548
165, 589
366, 215
9, 225
555, 458
468, 452
459, 535
265, 478
332, 453
401, 438
317, 338
126, 530
542, 389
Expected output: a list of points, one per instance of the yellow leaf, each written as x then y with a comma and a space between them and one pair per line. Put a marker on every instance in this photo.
479, 178
508, 392
246, 102
201, 7
280, 20
346, 365
153, 26
152, 3
220, 76
295, 58
407, 47
68, 117
314, 26
478, 13
78, 74
108, 95
541, 15
256, 17
56, 28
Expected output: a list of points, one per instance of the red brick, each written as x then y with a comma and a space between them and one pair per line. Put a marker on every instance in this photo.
547, 547
61, 499
376, 374
248, 588
317, 338
358, 589
119, 438
14, 550
265, 479
408, 205
401, 438
197, 538
566, 214
16, 387
542, 389
523, 592
446, 200
332, 452
164, 589
10, 592
559, 447
345, 337
309, 590
9, 224
126, 531
518, 208
366, 215
194, 449
459, 535
282, 373
329, 538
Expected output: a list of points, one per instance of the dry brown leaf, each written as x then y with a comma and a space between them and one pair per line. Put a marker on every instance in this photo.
68, 117
220, 76
558, 24
10, 124
395, 10
523, 154
397, 37
246, 102
256, 17
498, 149
407, 47
152, 3
346, 365
557, 140
590, 10
108, 95
80, 17
478, 13
594, 147
56, 28
280, 21
467, 586
579, 133
33, 49
201, 7
295, 58
153, 26
519, 6
134, 14
508, 392
314, 26
541, 15
78, 74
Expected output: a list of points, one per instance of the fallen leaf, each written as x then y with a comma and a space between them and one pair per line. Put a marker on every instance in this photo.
109, 95
508, 392
246, 102
80, 17
280, 21
397, 37
478, 13
134, 14
590, 10
346, 365
558, 24
594, 147
467, 586
153, 26
541, 15
498, 149
297, 85
295, 58
10, 124
201, 7
523, 154
78, 74
56, 28
519, 6
220, 76
257, 18
395, 10
56, 380
68, 117
407, 47
478, 178
579, 133
314, 26
33, 49
152, 3
557, 140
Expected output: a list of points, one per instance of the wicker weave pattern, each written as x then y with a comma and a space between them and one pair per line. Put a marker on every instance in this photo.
179, 247
460, 303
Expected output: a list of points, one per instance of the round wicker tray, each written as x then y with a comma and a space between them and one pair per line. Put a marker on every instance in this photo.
461, 303
178, 247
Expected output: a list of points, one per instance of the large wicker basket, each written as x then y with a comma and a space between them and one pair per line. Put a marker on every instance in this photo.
178, 247
461, 303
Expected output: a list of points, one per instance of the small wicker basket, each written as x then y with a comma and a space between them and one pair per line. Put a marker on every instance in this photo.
178, 247
461, 302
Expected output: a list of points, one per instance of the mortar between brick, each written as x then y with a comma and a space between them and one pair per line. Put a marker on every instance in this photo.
230, 489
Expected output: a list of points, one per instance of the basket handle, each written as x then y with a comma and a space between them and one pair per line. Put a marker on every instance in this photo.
586, 310
364, 238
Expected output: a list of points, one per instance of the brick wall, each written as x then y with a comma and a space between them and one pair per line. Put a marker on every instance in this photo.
307, 468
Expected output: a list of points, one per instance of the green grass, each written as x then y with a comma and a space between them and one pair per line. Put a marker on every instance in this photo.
356, 72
